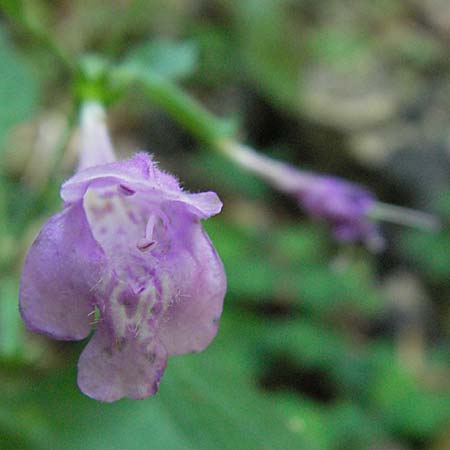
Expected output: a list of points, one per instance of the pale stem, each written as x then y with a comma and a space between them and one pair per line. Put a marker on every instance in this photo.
404, 216
95, 146
281, 175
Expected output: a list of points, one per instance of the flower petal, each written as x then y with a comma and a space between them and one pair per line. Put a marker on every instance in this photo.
191, 321
137, 173
110, 369
61, 268
118, 224
203, 204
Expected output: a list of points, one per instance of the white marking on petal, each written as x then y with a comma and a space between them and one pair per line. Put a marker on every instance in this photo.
118, 312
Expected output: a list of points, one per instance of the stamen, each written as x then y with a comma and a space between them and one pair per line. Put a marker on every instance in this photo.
145, 244
125, 190
149, 228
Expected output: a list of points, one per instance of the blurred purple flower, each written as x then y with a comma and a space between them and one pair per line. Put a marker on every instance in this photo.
129, 247
346, 207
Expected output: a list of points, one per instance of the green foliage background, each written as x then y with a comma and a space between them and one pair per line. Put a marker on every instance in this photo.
320, 346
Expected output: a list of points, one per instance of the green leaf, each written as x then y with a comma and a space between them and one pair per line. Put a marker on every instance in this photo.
406, 405
430, 251
308, 343
205, 401
218, 57
13, 8
351, 427
19, 87
227, 175
307, 419
10, 322
300, 245
316, 346
251, 277
270, 48
325, 289
338, 46
169, 59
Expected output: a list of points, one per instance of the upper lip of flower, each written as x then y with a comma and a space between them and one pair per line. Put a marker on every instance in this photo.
134, 179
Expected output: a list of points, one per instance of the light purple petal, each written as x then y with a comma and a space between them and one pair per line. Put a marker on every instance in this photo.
110, 368
125, 227
179, 281
198, 283
61, 267
139, 174
203, 204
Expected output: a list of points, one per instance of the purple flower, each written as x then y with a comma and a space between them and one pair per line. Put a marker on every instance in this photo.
346, 207
128, 247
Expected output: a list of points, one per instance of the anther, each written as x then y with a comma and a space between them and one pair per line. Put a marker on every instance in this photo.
145, 244
125, 190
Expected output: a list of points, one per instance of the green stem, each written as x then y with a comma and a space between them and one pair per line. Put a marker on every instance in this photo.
48, 42
19, 17
117, 37
179, 105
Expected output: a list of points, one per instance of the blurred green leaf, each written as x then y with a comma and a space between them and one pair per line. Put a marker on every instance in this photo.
14, 8
217, 50
3, 203
228, 175
351, 427
407, 407
292, 267
249, 278
205, 401
169, 59
10, 322
340, 47
306, 342
324, 288
300, 245
19, 87
317, 346
430, 251
306, 418
270, 47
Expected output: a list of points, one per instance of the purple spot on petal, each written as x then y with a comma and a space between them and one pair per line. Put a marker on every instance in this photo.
156, 309
130, 302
